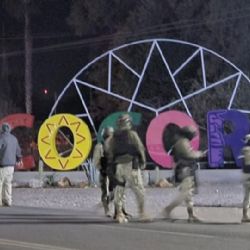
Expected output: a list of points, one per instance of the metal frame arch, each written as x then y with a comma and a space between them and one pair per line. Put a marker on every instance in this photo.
154, 45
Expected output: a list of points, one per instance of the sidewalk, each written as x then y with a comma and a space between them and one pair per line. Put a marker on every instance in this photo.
217, 203
219, 198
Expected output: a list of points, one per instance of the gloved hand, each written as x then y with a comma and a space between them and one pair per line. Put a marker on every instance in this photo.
204, 153
143, 165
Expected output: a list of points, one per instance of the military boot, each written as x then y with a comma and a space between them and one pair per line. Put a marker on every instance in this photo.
121, 218
127, 215
166, 212
143, 216
191, 217
245, 217
106, 208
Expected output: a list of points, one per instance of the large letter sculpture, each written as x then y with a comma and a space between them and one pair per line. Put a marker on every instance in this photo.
46, 141
155, 133
218, 138
21, 120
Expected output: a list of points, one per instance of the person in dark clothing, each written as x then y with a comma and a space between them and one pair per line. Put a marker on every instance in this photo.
10, 154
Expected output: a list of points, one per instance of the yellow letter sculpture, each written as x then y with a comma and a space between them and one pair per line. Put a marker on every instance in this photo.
47, 146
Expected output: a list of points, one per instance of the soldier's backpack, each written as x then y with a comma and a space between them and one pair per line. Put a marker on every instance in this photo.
123, 144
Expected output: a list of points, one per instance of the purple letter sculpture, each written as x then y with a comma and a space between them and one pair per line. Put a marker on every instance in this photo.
218, 138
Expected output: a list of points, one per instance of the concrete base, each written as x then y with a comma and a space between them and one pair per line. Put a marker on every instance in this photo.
150, 176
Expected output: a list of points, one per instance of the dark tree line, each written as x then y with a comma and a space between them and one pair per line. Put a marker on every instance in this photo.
221, 26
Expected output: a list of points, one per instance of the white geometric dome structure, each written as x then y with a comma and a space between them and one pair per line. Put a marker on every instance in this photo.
215, 76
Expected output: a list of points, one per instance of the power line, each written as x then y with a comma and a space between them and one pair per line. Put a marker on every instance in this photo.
240, 12
179, 25
38, 36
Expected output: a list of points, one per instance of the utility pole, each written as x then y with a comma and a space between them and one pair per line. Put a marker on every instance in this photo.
28, 58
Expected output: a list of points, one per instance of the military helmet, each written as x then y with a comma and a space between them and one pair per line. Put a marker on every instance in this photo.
189, 132
107, 132
124, 121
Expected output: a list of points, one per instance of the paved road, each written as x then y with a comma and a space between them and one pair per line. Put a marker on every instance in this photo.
72, 218
53, 229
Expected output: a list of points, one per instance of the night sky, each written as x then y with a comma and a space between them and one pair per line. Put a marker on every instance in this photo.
55, 59
58, 54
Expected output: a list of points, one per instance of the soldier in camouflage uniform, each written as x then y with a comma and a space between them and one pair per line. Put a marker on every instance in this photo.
128, 154
184, 157
101, 163
246, 178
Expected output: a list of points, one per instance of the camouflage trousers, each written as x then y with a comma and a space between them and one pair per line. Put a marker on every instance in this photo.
246, 185
126, 175
107, 188
186, 190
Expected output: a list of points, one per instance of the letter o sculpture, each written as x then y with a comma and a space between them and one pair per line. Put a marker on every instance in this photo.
47, 147
155, 132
